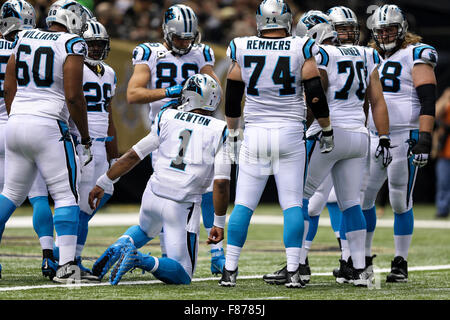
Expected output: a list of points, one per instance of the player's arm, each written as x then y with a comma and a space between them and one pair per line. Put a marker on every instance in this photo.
138, 93
317, 101
233, 96
378, 104
424, 81
10, 84
75, 100
221, 194
122, 166
112, 149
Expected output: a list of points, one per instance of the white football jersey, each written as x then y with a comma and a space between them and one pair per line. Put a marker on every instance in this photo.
348, 68
398, 88
99, 87
189, 148
167, 69
271, 69
5, 52
40, 56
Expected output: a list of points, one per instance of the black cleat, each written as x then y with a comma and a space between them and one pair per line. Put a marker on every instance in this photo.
399, 270
305, 271
293, 279
68, 273
278, 277
369, 265
228, 278
345, 272
49, 267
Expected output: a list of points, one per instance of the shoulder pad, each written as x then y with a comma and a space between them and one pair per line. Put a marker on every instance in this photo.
425, 53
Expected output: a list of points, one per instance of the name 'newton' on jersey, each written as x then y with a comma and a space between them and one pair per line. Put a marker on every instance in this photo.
40, 57
188, 146
99, 86
5, 52
348, 68
398, 87
167, 69
271, 70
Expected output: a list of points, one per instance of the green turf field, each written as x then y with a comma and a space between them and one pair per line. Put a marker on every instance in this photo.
20, 256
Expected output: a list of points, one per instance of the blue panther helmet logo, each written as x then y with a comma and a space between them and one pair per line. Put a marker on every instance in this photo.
169, 15
194, 85
9, 11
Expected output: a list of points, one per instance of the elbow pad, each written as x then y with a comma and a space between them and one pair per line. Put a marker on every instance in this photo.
315, 97
427, 98
233, 98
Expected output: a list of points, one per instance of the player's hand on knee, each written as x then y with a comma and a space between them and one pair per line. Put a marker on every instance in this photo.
382, 152
174, 91
95, 196
421, 150
233, 145
87, 153
215, 235
326, 142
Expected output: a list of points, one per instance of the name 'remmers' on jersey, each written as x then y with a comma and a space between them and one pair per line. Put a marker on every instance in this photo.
167, 69
40, 57
271, 69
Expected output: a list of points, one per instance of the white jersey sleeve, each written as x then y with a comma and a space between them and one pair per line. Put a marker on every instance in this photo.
424, 53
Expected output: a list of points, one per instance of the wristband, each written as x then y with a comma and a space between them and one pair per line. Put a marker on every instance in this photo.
219, 221
327, 128
105, 182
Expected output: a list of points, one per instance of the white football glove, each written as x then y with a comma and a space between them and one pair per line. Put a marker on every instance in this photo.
326, 142
86, 145
234, 145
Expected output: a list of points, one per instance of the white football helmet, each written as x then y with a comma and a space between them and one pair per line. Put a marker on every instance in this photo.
200, 91
273, 14
343, 16
98, 42
70, 14
387, 16
316, 25
180, 20
16, 15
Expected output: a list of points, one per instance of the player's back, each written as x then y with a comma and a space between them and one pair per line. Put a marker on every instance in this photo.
40, 57
168, 69
188, 145
271, 69
99, 86
5, 52
398, 87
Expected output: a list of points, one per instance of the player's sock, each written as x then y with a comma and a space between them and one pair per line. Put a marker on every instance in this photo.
306, 226
170, 271
355, 225
43, 221
82, 231
309, 237
7, 208
237, 234
103, 201
162, 244
403, 230
371, 221
208, 218
335, 215
138, 236
66, 226
345, 250
293, 229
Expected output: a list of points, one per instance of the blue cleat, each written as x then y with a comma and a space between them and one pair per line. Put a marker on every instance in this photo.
49, 268
217, 261
82, 268
109, 257
129, 259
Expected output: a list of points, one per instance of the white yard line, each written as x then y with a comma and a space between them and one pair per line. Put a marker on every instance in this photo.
128, 219
127, 283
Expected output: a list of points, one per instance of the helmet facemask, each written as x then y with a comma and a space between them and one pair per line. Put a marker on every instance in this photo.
387, 38
347, 33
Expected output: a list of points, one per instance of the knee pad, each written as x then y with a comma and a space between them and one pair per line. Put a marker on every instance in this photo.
66, 220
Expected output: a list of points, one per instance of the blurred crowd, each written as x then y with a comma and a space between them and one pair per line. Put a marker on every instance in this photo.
141, 20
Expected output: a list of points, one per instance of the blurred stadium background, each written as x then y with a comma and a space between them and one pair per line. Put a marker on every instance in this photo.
130, 22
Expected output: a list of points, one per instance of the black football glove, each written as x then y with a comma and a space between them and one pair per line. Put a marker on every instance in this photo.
421, 151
